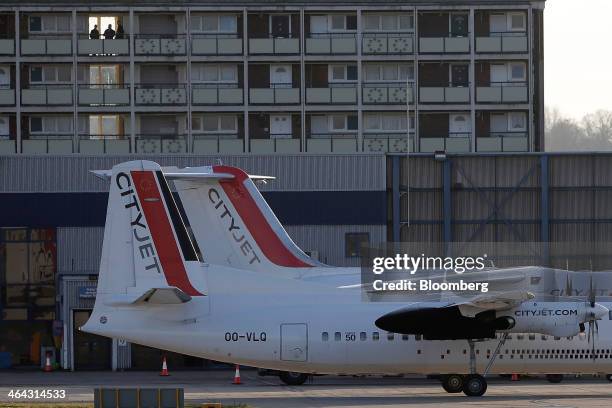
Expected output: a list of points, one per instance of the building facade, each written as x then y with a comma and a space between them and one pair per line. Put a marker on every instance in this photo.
271, 77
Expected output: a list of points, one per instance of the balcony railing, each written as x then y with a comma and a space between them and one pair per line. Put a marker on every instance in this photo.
387, 142
160, 44
279, 93
502, 42
58, 45
103, 144
103, 46
331, 43
7, 95
444, 44
454, 142
7, 144
161, 143
7, 46
381, 43
161, 94
104, 94
444, 93
275, 46
503, 142
208, 143
502, 92
332, 143
48, 143
389, 93
47, 94
343, 93
216, 44
216, 94
276, 144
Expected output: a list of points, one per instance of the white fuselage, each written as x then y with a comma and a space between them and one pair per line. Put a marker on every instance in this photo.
306, 324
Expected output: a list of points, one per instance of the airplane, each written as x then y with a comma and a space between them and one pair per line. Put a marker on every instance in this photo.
266, 304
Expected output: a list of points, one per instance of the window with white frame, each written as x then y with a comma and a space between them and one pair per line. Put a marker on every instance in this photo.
56, 125
50, 23
392, 122
342, 73
342, 123
50, 74
214, 73
210, 123
388, 22
517, 22
517, 72
214, 23
508, 122
500, 23
517, 121
388, 72
320, 24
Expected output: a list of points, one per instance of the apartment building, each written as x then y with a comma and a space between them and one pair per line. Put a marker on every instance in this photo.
274, 77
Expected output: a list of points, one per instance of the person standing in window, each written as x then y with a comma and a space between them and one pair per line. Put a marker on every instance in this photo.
94, 34
109, 33
120, 33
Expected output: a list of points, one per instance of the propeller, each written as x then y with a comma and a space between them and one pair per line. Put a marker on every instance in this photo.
592, 318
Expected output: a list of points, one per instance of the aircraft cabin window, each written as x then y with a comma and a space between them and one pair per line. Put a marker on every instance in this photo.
375, 336
532, 337
520, 336
325, 336
557, 338
337, 336
544, 337
363, 336
390, 336
405, 337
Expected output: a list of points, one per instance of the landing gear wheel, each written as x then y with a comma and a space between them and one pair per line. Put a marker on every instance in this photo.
474, 385
609, 377
452, 383
554, 378
291, 378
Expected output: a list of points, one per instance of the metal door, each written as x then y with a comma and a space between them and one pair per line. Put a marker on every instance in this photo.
459, 25
5, 76
4, 126
280, 26
280, 126
459, 125
460, 75
294, 342
280, 76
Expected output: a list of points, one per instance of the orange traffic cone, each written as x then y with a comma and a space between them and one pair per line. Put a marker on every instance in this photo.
48, 368
515, 377
164, 371
237, 376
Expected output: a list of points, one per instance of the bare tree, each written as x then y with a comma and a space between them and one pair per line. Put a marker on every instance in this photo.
593, 132
598, 129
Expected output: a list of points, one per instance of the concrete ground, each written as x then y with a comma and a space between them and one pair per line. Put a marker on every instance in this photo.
328, 391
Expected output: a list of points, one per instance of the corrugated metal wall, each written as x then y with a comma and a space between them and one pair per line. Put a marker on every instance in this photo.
360, 172
79, 250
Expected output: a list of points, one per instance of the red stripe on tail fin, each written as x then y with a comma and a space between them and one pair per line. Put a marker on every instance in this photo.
165, 243
270, 244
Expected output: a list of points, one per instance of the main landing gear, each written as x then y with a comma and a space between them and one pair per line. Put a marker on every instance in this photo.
473, 384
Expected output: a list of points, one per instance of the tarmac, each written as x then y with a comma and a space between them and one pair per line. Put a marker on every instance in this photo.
324, 391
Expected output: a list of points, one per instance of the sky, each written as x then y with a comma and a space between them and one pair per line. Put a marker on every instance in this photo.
578, 56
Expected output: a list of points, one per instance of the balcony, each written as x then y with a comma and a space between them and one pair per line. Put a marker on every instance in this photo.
104, 95
390, 93
210, 143
160, 94
118, 46
46, 46
502, 42
216, 94
160, 44
387, 43
7, 146
332, 143
7, 95
274, 46
161, 144
387, 142
277, 144
103, 144
331, 43
7, 46
444, 45
454, 143
503, 142
275, 94
502, 92
54, 95
337, 93
444, 94
216, 44
48, 143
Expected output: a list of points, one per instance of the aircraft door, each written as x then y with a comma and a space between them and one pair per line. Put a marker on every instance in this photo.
294, 342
